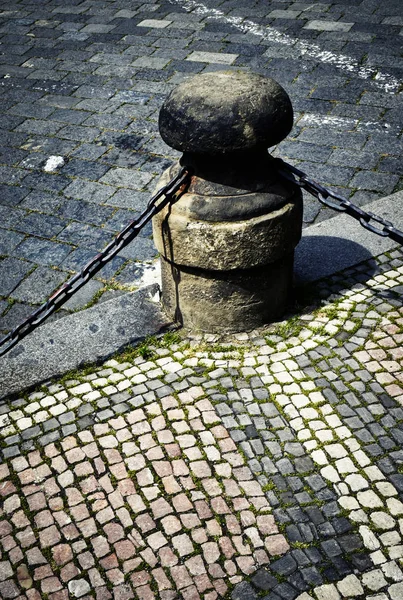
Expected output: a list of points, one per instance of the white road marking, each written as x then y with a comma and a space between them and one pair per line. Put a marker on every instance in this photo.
384, 81
345, 123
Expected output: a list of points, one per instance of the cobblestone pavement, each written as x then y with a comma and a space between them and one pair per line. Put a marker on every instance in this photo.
262, 465
84, 81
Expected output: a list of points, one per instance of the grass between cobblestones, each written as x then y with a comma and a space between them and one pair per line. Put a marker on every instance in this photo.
256, 465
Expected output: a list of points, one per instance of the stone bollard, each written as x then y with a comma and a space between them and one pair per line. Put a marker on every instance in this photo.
227, 245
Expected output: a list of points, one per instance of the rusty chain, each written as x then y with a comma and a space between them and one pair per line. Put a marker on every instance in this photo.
337, 202
166, 194
156, 203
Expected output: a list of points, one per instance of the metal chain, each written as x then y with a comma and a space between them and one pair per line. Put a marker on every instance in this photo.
337, 202
122, 239
166, 194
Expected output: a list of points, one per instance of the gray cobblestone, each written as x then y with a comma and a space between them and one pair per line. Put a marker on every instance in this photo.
38, 286
13, 271
41, 251
106, 70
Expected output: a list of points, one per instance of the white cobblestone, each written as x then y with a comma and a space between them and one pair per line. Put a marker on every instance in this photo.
382, 520
24, 423
330, 474
356, 482
392, 571
350, 587
369, 538
374, 580
369, 499
81, 389
327, 592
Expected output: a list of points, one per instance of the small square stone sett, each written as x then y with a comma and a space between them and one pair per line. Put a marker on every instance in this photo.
212, 57
154, 23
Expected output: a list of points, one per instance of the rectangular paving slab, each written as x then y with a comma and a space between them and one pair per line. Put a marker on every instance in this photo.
341, 242
86, 336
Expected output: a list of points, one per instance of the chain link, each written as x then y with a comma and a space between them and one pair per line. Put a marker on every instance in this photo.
165, 195
327, 197
333, 200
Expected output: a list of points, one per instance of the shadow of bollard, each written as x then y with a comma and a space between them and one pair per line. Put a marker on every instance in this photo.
319, 256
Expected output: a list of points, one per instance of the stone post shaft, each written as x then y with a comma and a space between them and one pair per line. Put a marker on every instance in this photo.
227, 245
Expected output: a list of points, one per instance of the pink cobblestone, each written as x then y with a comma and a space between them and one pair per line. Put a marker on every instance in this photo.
157, 498
276, 544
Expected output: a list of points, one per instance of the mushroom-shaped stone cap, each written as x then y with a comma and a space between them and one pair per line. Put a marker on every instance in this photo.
224, 112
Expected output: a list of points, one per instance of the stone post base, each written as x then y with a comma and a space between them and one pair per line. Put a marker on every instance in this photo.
226, 301
227, 275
